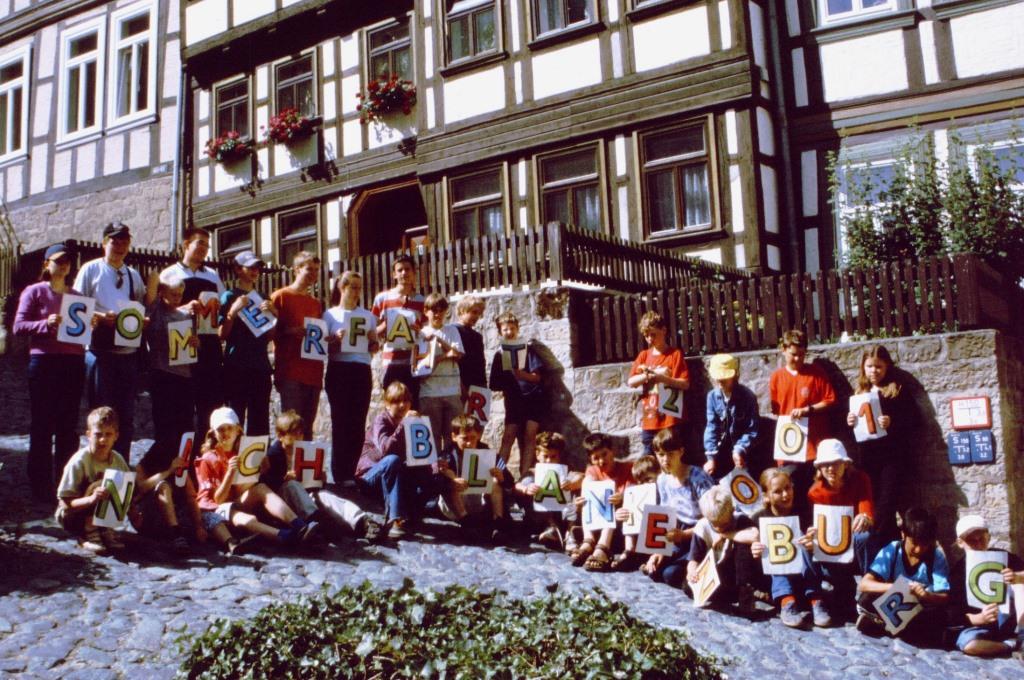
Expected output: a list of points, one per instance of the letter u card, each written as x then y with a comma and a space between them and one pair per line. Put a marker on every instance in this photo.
833, 533
897, 606
112, 512
598, 512
419, 442
312, 464
781, 551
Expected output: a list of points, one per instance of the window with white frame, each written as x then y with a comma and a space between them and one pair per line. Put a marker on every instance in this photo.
297, 230
231, 103
14, 70
81, 60
472, 28
132, 62
390, 52
831, 11
570, 189
555, 15
676, 180
1002, 144
863, 176
477, 205
295, 85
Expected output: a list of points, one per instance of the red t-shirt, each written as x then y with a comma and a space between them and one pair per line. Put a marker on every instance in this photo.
856, 491
621, 473
674, 361
210, 470
292, 309
809, 386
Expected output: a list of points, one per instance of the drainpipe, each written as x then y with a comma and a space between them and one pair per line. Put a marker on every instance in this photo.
782, 126
179, 124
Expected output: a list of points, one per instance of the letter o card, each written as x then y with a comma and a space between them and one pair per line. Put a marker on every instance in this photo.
478, 403
476, 470
551, 496
670, 401
868, 409
128, 324
833, 533
251, 452
746, 493
781, 552
112, 512
419, 442
312, 464
185, 452
985, 584
314, 341
76, 319
655, 522
598, 512
634, 498
791, 440
897, 606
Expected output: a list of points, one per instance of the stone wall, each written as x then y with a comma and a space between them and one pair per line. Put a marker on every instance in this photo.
145, 206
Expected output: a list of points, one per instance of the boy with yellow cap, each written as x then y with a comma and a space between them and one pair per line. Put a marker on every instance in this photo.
732, 419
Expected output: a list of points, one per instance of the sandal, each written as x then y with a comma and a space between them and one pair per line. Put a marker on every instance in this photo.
582, 553
624, 561
598, 560
570, 543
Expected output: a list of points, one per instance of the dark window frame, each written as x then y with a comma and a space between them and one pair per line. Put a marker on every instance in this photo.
294, 81
478, 204
708, 158
390, 49
218, 104
596, 179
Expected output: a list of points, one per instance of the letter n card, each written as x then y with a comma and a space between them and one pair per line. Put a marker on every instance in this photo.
897, 606
598, 512
655, 522
312, 464
112, 512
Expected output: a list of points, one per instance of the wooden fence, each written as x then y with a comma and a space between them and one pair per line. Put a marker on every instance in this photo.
896, 299
553, 253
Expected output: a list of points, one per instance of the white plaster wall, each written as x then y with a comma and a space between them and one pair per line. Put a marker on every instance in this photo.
474, 94
113, 154
205, 19
351, 137
811, 255
247, 10
568, 68
138, 148
725, 24
708, 254
757, 36
671, 38
41, 113
231, 175
40, 166
809, 182
769, 192
765, 132
61, 169
85, 162
860, 67
736, 199
799, 78
989, 41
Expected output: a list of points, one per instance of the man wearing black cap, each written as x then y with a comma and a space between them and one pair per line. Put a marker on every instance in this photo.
111, 371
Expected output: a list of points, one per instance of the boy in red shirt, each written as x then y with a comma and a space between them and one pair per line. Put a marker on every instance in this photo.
660, 364
802, 390
594, 554
298, 380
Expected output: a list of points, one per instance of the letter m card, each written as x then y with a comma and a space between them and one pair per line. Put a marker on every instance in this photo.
897, 606
781, 551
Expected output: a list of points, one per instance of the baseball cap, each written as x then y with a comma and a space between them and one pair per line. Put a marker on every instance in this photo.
223, 416
969, 523
248, 259
116, 230
723, 367
831, 451
56, 250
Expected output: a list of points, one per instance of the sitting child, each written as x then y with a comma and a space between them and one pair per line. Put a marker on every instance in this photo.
80, 489
594, 553
319, 507
159, 501
917, 557
557, 526
728, 537
680, 486
225, 503
988, 631
470, 509
645, 471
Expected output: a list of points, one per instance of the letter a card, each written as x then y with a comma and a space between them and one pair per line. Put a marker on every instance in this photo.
655, 522
419, 442
598, 512
781, 552
897, 606
476, 470
708, 580
551, 497
634, 499
76, 319
398, 329
112, 512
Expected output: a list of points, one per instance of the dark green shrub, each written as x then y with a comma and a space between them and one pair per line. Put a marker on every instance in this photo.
458, 633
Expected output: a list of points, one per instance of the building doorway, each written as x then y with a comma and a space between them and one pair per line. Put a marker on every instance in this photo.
388, 218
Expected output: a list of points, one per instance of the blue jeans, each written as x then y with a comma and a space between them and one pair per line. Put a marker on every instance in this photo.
673, 569
112, 380
405, 489
55, 389
808, 582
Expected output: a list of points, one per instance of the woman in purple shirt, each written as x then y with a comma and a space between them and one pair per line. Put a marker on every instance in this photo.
56, 374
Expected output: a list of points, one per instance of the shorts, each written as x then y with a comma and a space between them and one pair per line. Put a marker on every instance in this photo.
521, 410
222, 515
71, 521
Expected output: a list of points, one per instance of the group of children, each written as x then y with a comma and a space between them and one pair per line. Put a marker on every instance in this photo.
890, 542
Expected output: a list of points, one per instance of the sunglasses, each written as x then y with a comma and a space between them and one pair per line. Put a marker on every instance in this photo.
120, 279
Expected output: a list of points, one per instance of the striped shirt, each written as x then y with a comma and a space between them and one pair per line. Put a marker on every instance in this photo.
392, 299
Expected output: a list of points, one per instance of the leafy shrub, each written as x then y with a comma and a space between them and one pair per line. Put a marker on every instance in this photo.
458, 633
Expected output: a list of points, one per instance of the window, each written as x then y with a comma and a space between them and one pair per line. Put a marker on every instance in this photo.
555, 15
232, 107
471, 29
1009, 157
477, 206
831, 11
133, 69
570, 189
14, 70
390, 52
295, 86
297, 231
677, 194
233, 239
81, 79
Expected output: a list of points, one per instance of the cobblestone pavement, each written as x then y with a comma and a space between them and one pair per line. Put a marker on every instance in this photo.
67, 614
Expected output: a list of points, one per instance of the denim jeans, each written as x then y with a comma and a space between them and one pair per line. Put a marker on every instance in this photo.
673, 569
348, 386
841, 575
248, 394
112, 380
405, 489
55, 384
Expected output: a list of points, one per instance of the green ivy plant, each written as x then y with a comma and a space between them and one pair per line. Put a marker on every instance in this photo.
362, 632
931, 207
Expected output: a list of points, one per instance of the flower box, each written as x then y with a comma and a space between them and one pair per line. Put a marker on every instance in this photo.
385, 96
289, 126
230, 147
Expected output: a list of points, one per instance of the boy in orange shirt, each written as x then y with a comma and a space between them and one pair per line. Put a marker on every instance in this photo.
298, 380
662, 364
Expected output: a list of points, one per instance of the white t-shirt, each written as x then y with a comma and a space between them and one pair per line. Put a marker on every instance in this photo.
444, 380
336, 318
97, 279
